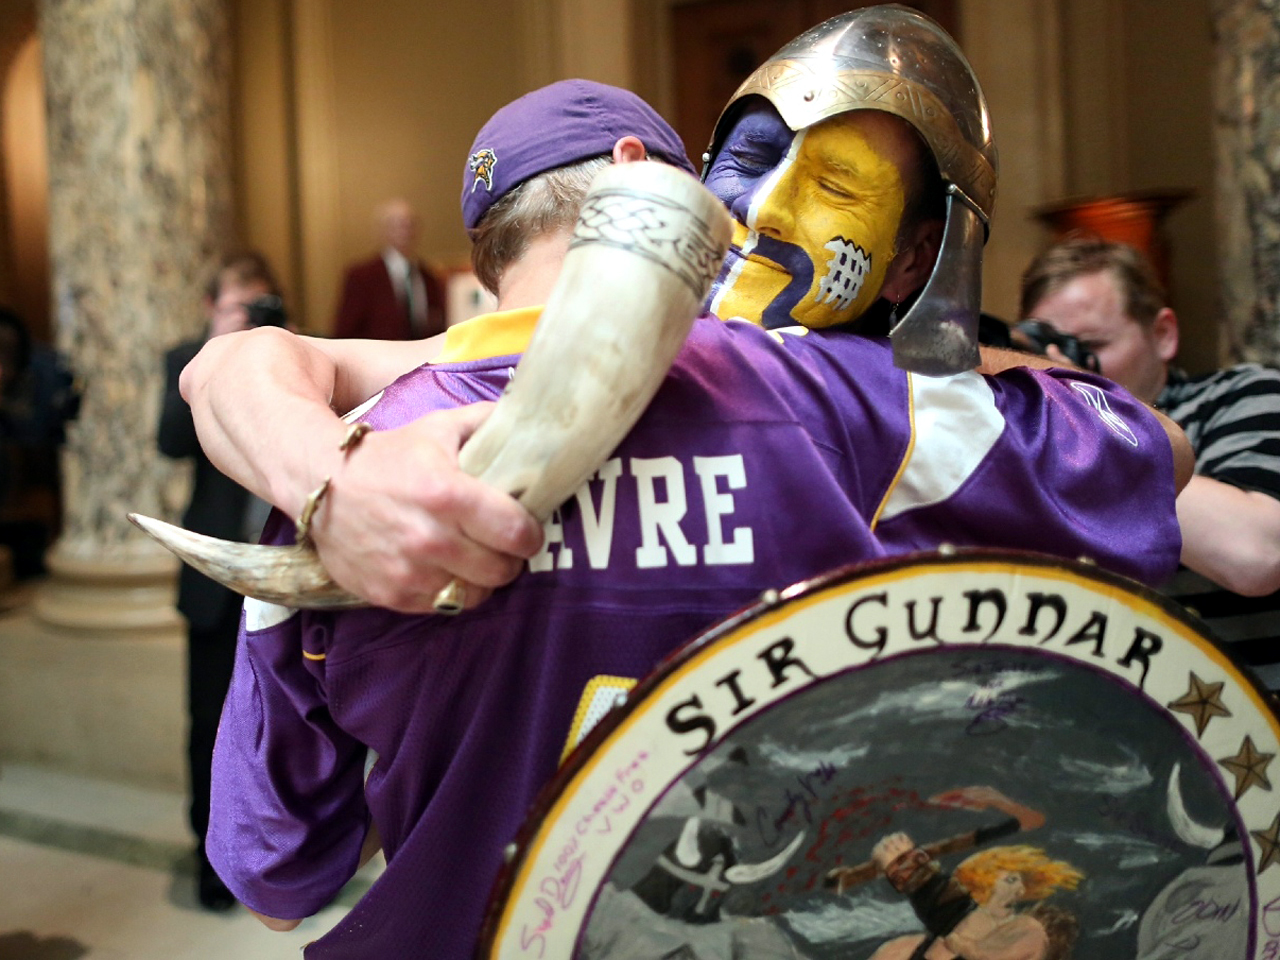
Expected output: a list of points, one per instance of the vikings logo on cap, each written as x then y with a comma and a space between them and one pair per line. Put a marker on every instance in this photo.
482, 163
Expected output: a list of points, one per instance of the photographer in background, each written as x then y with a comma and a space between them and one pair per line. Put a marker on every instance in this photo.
1037, 336
242, 294
1106, 295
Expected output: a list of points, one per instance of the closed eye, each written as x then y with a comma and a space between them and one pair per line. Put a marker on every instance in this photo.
752, 160
836, 190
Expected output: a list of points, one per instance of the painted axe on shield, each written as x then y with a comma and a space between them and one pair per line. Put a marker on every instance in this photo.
597, 357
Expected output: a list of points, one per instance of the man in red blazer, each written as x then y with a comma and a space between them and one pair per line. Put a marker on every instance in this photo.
392, 296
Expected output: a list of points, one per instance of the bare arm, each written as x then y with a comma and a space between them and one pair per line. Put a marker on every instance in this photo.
302, 381
1231, 536
233, 379
1019, 938
400, 519
275, 923
983, 798
996, 360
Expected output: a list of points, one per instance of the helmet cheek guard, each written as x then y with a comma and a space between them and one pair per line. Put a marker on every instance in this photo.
939, 334
897, 60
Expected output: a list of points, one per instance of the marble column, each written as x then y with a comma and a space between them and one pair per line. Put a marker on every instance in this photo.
138, 95
1247, 144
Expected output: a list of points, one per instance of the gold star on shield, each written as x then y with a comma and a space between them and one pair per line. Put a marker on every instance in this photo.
1249, 767
1202, 701
1268, 844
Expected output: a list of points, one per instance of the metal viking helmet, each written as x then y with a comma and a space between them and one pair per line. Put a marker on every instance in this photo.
896, 59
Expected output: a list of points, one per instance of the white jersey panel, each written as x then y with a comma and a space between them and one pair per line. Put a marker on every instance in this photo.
955, 423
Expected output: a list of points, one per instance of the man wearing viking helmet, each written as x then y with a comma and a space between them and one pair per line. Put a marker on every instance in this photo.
402, 488
684, 523
859, 166
860, 170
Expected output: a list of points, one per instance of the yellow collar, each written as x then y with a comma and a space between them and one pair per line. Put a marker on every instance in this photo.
489, 335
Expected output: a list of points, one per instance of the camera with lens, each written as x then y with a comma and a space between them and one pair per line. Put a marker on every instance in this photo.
1036, 336
266, 311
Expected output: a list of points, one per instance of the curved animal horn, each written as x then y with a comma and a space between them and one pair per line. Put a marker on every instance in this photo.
597, 357
272, 574
755, 872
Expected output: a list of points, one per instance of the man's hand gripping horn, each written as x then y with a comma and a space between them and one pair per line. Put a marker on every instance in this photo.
597, 357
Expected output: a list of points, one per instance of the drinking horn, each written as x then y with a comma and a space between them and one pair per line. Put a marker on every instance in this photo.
645, 249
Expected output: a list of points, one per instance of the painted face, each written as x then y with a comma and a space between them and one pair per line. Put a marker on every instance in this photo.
816, 215
1009, 888
1091, 309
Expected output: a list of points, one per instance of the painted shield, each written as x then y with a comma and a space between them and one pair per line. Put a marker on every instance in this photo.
1067, 756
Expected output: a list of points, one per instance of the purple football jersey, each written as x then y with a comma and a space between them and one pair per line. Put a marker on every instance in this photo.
763, 461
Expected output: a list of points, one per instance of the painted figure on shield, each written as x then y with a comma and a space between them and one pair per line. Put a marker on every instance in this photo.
973, 914
675, 907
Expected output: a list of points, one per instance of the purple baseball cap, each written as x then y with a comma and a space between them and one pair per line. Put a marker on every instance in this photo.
563, 123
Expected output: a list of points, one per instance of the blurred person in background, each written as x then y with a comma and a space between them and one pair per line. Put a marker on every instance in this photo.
242, 294
1107, 295
392, 296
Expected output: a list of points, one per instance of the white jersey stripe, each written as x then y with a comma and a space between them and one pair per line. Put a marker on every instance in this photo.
955, 423
261, 616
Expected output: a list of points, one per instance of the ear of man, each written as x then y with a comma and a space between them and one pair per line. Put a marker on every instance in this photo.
914, 262
1164, 333
629, 150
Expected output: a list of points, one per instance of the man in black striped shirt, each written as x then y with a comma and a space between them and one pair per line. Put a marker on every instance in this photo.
1107, 295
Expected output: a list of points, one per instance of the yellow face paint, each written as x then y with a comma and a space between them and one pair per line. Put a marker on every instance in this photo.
756, 282
820, 224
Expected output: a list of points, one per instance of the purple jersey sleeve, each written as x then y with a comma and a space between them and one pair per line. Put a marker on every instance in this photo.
288, 815
1055, 461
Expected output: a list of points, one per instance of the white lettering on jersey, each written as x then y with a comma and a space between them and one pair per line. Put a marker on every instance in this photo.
1097, 399
660, 521
259, 615
597, 528
719, 505
552, 533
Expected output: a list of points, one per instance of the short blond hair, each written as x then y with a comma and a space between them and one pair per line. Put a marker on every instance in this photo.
543, 204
